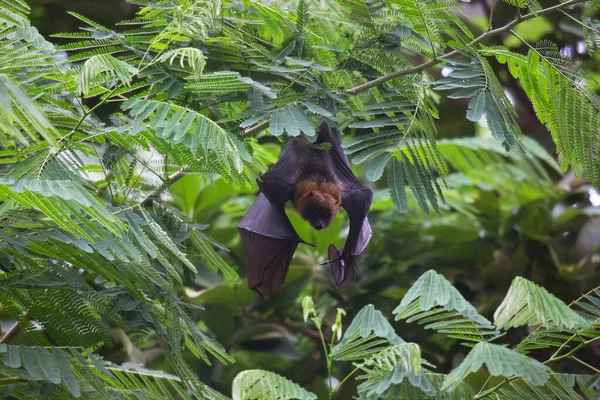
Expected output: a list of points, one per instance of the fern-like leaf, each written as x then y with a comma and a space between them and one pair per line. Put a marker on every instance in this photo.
255, 384
528, 303
432, 300
104, 69
500, 361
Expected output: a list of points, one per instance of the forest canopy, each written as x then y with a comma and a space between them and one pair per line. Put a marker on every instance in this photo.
131, 138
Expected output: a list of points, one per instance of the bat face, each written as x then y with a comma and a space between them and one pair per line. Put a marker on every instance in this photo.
319, 210
317, 201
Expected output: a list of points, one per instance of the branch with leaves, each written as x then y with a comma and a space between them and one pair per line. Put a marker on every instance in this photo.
481, 38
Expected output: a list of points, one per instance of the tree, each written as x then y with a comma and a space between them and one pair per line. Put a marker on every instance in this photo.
129, 154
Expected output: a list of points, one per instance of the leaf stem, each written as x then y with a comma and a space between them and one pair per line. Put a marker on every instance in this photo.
491, 17
493, 389
343, 380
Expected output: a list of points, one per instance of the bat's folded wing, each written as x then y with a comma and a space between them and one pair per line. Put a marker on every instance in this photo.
269, 242
344, 262
356, 200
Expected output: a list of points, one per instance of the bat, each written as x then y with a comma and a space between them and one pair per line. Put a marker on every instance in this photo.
317, 182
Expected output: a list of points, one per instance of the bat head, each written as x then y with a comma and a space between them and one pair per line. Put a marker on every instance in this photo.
317, 201
319, 209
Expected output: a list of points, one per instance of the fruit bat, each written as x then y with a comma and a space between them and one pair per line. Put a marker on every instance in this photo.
318, 182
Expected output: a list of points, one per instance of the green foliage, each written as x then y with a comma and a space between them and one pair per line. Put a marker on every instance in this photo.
128, 153
562, 100
390, 366
70, 373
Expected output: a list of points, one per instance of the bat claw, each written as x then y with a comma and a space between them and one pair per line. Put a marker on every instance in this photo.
330, 261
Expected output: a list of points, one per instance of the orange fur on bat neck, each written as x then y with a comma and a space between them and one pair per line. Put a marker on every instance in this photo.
327, 191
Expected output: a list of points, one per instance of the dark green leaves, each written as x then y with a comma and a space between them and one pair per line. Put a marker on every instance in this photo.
11, 356
68, 204
396, 185
476, 106
43, 364
563, 101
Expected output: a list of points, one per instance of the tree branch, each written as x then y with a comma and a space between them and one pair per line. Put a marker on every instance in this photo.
253, 130
12, 333
480, 38
174, 177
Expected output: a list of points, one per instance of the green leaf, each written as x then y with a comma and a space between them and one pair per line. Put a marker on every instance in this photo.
377, 165
68, 377
396, 185
476, 106
12, 357
317, 109
528, 303
194, 57
49, 365
308, 307
31, 362
276, 123
500, 361
212, 258
370, 320
256, 384
368, 334
104, 70
432, 300
389, 367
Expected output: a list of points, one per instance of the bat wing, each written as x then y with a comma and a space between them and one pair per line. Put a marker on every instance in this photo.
279, 181
269, 242
356, 200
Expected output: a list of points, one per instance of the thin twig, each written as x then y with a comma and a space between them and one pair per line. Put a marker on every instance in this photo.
480, 38
596, 370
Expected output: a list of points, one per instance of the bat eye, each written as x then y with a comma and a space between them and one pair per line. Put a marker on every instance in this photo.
310, 194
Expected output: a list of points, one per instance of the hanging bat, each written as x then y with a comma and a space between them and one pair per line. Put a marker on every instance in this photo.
318, 182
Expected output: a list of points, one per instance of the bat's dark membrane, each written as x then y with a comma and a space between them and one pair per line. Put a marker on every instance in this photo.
318, 182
